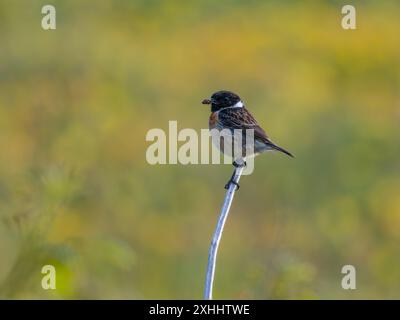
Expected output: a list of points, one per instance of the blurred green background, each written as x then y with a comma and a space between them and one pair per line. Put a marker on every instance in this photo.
76, 190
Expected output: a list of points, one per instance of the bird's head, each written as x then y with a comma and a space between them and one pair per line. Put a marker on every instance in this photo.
223, 99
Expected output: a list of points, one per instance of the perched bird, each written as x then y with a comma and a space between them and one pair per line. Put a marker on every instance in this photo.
228, 112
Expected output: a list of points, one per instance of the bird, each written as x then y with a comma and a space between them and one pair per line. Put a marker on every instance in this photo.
228, 111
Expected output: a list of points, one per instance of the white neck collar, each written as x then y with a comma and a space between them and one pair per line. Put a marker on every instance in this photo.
237, 105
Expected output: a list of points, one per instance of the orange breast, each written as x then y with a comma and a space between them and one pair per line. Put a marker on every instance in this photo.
212, 122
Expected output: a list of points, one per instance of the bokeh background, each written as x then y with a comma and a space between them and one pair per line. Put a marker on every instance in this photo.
76, 190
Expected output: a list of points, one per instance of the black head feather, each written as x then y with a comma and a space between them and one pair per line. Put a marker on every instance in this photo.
222, 99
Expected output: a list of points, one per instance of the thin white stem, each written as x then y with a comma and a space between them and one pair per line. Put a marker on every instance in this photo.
212, 254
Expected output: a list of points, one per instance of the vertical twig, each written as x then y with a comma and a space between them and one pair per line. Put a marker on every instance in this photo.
212, 254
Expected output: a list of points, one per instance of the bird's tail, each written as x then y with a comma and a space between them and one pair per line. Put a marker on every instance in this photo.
278, 148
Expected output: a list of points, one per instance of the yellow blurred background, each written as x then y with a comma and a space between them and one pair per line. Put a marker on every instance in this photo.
76, 190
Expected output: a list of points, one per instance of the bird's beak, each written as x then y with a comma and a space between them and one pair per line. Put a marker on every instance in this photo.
206, 101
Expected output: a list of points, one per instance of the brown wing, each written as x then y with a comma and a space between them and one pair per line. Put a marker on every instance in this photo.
241, 118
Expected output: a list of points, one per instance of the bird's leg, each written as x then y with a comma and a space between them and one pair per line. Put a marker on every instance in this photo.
231, 180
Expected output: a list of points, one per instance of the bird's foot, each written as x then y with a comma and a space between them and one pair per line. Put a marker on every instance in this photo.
239, 164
